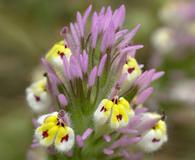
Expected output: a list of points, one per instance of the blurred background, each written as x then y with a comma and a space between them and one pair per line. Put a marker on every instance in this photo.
28, 28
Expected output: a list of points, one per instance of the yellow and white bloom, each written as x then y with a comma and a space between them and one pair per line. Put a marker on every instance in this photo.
116, 113
132, 70
153, 139
37, 96
54, 131
56, 54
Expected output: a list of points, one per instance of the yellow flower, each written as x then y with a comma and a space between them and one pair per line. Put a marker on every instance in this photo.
54, 131
116, 112
153, 139
57, 52
132, 70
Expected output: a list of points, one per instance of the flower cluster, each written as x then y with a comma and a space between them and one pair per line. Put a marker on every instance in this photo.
95, 90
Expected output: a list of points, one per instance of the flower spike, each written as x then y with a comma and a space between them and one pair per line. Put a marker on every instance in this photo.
93, 74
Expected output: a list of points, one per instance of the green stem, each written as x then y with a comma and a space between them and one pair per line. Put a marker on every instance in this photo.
97, 91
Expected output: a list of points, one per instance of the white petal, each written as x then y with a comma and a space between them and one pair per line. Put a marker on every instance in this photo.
38, 106
57, 62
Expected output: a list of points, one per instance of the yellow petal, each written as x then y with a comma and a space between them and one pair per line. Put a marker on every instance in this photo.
114, 119
49, 139
46, 126
56, 50
103, 112
125, 103
119, 116
108, 105
49, 119
62, 135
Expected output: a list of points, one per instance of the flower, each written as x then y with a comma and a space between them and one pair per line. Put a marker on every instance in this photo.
132, 70
53, 130
155, 137
93, 75
117, 112
37, 96
57, 52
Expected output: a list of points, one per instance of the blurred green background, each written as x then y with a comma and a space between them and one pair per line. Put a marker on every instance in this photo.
28, 28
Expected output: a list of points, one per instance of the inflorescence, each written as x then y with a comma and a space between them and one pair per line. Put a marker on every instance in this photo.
92, 93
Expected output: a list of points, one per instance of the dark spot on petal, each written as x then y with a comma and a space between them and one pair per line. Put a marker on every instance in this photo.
154, 140
37, 98
65, 138
115, 100
119, 117
45, 74
130, 70
62, 124
103, 109
45, 134
61, 54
